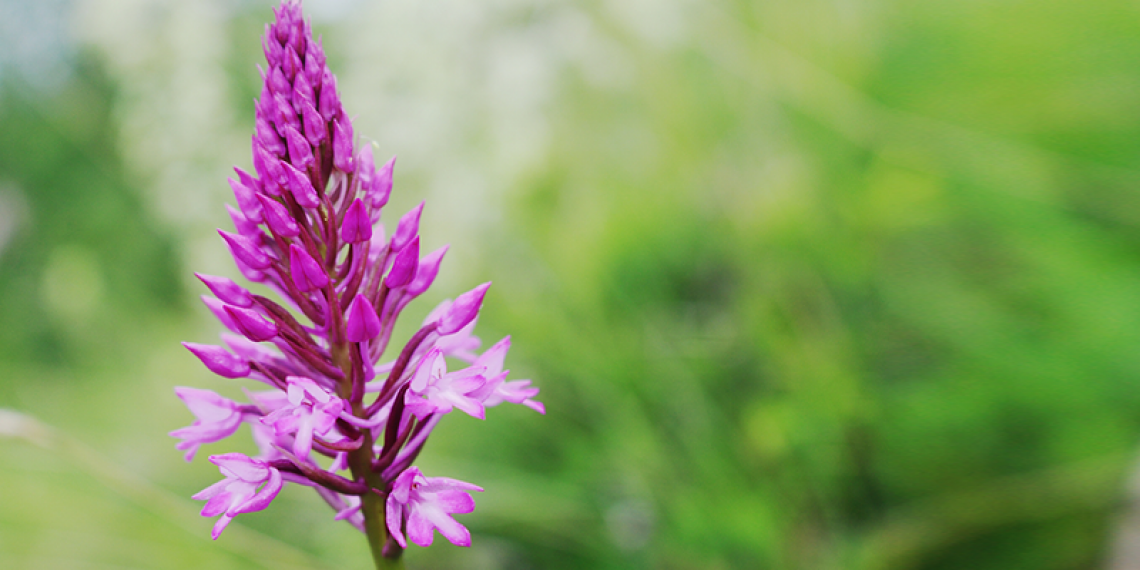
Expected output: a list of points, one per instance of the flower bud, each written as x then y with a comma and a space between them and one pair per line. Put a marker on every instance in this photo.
225, 289
219, 360
463, 310
242, 224
357, 227
362, 324
300, 186
302, 91
251, 324
268, 167
342, 146
272, 47
218, 308
300, 153
425, 274
267, 136
316, 130
329, 104
277, 217
284, 115
245, 250
382, 185
365, 167
405, 265
245, 192
291, 63
277, 81
307, 273
408, 227
314, 63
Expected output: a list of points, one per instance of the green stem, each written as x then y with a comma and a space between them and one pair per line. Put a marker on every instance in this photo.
360, 462
377, 532
372, 507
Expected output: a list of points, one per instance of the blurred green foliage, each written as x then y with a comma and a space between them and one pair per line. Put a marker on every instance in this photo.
825, 285
87, 261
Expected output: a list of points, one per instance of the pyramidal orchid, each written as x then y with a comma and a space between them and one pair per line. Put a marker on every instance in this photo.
337, 415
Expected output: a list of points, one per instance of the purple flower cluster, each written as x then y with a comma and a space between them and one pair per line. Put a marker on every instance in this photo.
334, 417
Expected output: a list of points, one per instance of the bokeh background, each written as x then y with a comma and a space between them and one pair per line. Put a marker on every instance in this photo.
810, 284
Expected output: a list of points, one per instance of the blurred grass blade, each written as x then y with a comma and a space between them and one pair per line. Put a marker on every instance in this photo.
256, 549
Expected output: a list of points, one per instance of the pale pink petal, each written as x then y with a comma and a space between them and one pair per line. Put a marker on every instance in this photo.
437, 484
240, 466
263, 497
304, 442
205, 404
419, 528
394, 511
220, 526
448, 527
468, 405
217, 504
210, 491
455, 502
493, 358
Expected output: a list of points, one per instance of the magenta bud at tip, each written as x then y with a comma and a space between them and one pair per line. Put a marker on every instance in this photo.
225, 289
314, 67
307, 273
316, 130
251, 324
300, 186
246, 196
255, 275
243, 225
277, 81
217, 307
329, 101
292, 62
357, 226
267, 136
346, 124
283, 111
284, 115
263, 105
219, 360
362, 324
300, 153
342, 147
247, 180
302, 91
246, 250
408, 227
382, 184
268, 167
365, 167
405, 265
463, 310
379, 241
271, 46
277, 217
425, 274
259, 155
249, 205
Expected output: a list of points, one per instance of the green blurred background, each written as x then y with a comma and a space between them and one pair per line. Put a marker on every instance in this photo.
811, 284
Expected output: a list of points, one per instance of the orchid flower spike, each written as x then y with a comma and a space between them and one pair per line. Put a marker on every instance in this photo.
331, 285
